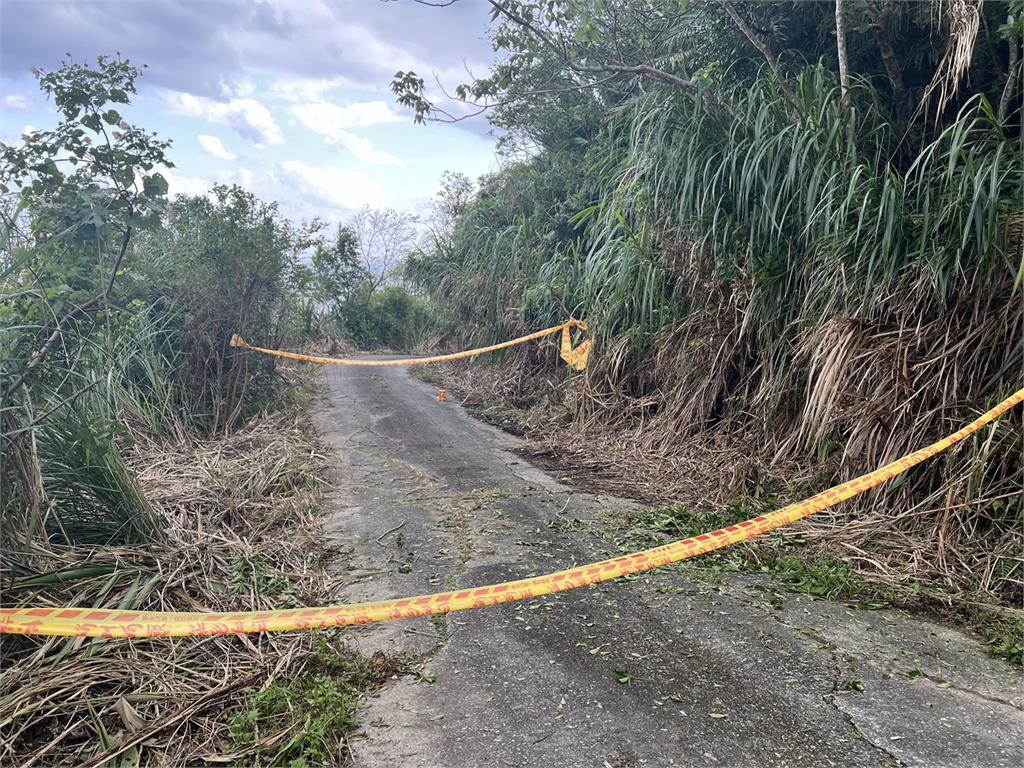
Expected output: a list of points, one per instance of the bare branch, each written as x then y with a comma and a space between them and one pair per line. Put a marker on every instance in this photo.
41, 353
644, 70
50, 411
480, 107
1012, 75
640, 70
766, 51
385, 238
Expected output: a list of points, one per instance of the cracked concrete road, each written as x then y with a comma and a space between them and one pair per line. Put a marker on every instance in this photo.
657, 670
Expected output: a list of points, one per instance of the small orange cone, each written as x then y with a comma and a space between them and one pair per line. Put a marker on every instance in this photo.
442, 396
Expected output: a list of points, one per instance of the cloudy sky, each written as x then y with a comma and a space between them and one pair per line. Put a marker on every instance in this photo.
289, 98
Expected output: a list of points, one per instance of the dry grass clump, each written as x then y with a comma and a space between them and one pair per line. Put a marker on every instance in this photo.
870, 393
242, 527
948, 529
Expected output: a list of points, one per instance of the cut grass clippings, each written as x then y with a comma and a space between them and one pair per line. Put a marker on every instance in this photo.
243, 530
867, 553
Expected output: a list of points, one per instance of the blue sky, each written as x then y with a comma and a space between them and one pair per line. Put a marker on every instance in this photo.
289, 98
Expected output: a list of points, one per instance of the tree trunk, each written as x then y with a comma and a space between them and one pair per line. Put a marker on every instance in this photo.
1010, 89
766, 51
844, 60
890, 59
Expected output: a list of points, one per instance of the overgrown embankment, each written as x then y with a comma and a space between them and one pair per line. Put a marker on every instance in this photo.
144, 463
242, 532
793, 275
711, 483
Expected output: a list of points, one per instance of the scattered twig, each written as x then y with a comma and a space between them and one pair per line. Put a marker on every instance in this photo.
238, 509
164, 723
380, 539
40, 354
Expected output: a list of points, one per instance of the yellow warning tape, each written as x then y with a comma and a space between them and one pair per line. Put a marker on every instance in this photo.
88, 622
577, 357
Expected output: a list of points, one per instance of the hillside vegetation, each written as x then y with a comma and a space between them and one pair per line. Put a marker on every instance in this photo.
117, 306
795, 229
144, 463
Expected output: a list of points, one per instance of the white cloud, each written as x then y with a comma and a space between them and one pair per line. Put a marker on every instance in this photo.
248, 117
16, 101
330, 121
242, 176
335, 187
244, 89
323, 116
184, 185
305, 88
364, 150
14, 137
214, 146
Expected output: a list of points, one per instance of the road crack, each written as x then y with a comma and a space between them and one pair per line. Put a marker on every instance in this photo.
939, 681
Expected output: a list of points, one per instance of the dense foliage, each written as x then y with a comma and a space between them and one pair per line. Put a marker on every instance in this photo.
118, 305
808, 247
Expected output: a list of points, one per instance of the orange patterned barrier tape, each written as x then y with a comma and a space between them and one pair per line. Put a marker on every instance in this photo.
577, 357
89, 622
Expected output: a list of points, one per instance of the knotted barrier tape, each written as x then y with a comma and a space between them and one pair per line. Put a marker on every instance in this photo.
89, 622
577, 357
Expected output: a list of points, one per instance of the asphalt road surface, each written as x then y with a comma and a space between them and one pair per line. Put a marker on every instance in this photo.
659, 670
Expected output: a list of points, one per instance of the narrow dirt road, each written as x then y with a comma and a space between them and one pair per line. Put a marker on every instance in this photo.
656, 670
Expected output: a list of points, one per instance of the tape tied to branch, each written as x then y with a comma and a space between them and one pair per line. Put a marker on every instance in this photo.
576, 357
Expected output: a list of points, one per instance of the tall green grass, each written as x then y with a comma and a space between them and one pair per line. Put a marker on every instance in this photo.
831, 289
76, 427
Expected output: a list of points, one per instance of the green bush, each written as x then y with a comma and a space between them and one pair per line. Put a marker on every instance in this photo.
221, 267
388, 319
